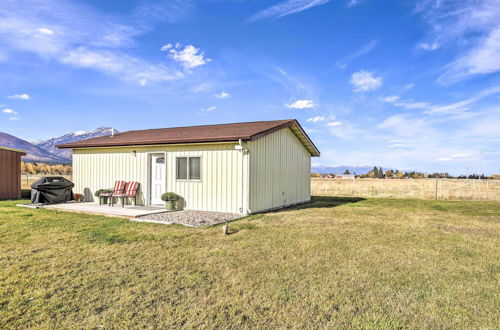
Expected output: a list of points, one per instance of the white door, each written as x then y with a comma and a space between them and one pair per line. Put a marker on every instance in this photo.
157, 186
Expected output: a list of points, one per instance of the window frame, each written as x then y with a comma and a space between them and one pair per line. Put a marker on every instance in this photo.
187, 168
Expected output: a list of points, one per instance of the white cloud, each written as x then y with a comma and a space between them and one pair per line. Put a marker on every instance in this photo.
364, 81
365, 49
463, 105
294, 84
127, 67
12, 113
471, 28
286, 8
413, 105
202, 88
311, 130
301, 104
408, 86
409, 105
390, 99
23, 96
209, 109
170, 11
316, 119
223, 95
334, 123
83, 38
166, 47
428, 46
482, 59
400, 145
45, 31
456, 156
9, 111
417, 140
352, 3
345, 130
189, 57
454, 107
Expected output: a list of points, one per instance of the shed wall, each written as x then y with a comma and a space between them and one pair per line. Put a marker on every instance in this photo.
280, 171
10, 174
220, 188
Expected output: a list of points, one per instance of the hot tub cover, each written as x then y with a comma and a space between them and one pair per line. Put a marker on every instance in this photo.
51, 190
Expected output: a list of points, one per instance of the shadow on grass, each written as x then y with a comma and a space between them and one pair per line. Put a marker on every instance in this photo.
316, 202
233, 229
324, 202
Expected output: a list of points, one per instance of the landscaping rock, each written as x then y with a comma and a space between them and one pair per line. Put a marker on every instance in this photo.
190, 217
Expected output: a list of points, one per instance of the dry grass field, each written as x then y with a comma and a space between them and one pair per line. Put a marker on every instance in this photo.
447, 189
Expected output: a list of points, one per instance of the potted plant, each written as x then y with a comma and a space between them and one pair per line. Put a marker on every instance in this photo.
103, 191
170, 200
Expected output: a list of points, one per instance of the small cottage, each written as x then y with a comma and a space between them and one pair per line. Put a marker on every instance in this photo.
240, 168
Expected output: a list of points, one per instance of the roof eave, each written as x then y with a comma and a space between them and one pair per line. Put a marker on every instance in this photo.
316, 152
150, 143
22, 152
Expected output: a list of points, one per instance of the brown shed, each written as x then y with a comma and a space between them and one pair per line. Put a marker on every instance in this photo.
10, 173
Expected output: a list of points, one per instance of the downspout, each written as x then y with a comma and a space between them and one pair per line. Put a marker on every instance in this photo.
244, 179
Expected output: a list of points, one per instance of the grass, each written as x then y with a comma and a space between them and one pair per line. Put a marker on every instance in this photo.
337, 262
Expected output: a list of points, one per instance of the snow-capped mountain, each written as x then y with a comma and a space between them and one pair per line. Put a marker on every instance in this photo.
50, 145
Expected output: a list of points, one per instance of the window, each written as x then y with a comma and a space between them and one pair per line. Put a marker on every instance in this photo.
194, 168
188, 168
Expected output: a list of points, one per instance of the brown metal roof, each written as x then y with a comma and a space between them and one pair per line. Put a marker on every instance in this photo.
197, 134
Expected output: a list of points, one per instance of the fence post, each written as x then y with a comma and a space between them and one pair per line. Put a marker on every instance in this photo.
436, 197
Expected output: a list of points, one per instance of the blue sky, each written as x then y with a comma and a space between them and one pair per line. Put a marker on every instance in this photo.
402, 84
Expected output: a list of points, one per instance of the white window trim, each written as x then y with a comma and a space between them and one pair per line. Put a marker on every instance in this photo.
187, 163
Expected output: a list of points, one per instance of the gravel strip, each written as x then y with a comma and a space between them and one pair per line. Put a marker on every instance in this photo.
191, 217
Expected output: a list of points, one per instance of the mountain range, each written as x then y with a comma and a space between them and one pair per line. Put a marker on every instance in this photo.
45, 151
50, 145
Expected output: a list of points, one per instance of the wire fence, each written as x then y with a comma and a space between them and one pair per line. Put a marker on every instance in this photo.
28, 179
441, 189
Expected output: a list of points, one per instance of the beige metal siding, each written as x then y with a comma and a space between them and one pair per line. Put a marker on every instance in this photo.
280, 171
220, 187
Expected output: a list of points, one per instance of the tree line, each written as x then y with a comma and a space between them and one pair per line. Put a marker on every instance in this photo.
380, 173
43, 168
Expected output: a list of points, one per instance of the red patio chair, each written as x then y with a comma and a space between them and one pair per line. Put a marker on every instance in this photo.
117, 189
130, 192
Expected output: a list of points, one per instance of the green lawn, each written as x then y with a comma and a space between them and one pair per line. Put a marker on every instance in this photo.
336, 262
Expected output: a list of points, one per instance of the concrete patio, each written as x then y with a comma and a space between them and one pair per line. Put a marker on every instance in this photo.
129, 211
154, 214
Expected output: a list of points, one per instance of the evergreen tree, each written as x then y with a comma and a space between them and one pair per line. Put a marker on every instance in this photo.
347, 172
